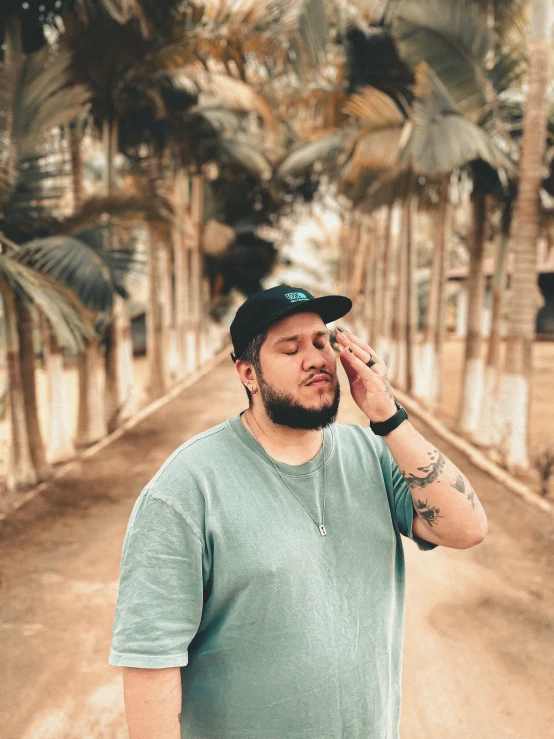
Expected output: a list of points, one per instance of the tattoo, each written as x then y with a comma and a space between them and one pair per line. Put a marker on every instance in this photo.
388, 390
459, 484
432, 469
429, 513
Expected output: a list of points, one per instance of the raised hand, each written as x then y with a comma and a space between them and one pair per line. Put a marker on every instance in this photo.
369, 385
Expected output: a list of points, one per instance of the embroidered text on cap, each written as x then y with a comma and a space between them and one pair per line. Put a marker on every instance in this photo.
295, 297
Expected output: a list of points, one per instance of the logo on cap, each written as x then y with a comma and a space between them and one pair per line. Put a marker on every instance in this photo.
295, 297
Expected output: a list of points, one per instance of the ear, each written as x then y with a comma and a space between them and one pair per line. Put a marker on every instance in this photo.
246, 372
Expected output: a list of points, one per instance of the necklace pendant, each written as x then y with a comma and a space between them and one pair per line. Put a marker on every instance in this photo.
322, 529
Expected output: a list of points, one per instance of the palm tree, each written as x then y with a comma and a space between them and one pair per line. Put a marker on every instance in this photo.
22, 284
524, 234
455, 39
37, 95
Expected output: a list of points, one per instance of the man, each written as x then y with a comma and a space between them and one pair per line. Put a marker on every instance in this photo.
262, 579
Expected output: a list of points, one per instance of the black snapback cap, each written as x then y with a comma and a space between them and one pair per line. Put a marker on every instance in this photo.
266, 307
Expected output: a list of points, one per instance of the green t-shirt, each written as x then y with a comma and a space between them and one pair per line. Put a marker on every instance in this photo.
280, 633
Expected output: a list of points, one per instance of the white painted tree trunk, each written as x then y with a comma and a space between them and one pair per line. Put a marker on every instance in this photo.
21, 472
157, 368
399, 369
461, 311
474, 367
411, 296
390, 279
91, 416
489, 431
518, 366
378, 277
427, 376
512, 417
127, 388
60, 436
119, 388
197, 265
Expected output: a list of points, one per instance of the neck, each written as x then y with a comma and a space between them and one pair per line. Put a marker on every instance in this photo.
283, 443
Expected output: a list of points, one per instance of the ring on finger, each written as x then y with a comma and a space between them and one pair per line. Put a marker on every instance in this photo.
371, 361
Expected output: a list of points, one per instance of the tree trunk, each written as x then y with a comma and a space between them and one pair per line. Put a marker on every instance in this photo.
411, 297
21, 470
155, 340
91, 418
384, 332
180, 293
442, 258
60, 437
360, 286
378, 266
399, 367
525, 228
427, 375
489, 432
472, 386
28, 383
197, 268
120, 399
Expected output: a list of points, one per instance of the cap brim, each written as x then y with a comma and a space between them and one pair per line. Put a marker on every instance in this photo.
329, 307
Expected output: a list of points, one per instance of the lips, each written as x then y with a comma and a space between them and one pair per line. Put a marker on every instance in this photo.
319, 381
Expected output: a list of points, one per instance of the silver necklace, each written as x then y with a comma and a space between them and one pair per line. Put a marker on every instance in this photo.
320, 526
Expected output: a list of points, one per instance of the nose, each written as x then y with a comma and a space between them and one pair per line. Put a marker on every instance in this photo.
314, 359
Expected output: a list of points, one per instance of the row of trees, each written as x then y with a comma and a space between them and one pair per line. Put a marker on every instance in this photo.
172, 107
447, 107
198, 110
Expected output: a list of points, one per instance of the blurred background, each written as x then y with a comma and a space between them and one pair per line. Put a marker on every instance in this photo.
162, 160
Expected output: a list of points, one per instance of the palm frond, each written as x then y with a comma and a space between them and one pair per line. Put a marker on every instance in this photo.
372, 151
70, 321
442, 138
237, 152
236, 31
45, 96
304, 156
233, 92
93, 273
453, 38
374, 110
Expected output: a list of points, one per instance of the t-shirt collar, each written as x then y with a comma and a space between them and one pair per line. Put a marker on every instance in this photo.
295, 470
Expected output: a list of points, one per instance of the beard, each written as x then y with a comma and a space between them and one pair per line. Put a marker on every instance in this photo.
284, 409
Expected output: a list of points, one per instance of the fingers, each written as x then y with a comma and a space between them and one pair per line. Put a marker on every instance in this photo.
361, 350
354, 360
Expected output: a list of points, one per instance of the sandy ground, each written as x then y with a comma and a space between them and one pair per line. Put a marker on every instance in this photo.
479, 641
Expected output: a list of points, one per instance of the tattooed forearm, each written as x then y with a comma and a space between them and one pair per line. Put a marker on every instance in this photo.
432, 471
429, 513
459, 484
388, 390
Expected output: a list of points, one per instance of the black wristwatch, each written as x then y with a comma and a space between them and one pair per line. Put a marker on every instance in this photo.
385, 427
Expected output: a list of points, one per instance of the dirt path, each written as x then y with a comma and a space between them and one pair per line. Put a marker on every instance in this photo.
479, 644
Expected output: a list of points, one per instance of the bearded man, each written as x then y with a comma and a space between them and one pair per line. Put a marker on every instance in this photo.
262, 579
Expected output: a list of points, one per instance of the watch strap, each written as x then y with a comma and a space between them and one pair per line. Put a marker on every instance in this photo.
381, 428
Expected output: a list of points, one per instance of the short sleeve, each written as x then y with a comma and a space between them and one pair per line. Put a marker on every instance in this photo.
404, 506
160, 598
